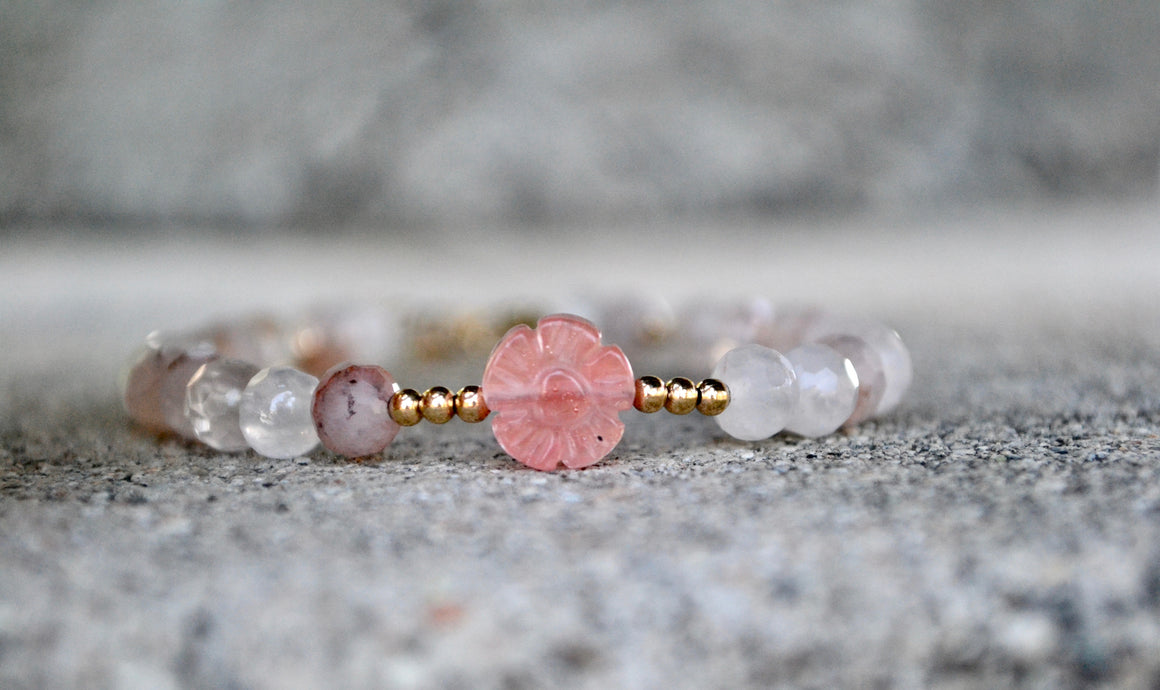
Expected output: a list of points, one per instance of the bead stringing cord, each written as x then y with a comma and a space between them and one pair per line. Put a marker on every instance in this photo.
553, 392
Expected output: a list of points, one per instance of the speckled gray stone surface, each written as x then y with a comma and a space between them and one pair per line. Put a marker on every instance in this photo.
999, 530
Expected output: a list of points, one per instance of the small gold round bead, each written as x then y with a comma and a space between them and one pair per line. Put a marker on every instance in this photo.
712, 397
404, 407
469, 404
650, 394
682, 398
437, 405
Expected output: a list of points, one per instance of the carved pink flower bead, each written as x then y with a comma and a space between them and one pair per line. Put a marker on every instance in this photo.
555, 393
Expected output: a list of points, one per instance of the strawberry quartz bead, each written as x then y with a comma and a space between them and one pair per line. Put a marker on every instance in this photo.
351, 410
555, 393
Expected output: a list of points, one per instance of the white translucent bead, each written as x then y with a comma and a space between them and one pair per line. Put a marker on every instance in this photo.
763, 392
211, 403
827, 388
275, 412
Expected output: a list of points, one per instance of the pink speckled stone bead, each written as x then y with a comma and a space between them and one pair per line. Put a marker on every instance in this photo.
555, 393
351, 410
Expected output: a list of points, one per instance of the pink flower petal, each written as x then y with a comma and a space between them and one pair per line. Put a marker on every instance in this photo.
535, 446
567, 339
594, 440
505, 378
610, 376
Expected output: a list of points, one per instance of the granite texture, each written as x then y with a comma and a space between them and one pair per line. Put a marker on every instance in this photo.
1000, 529
402, 112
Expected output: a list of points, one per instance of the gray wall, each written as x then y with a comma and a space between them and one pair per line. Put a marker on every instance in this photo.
417, 112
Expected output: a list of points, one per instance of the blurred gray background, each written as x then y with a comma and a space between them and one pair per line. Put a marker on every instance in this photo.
981, 175
398, 113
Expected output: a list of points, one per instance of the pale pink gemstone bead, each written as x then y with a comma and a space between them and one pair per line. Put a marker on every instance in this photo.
153, 384
868, 367
351, 411
893, 355
555, 393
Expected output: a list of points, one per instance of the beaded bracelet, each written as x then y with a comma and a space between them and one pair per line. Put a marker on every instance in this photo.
553, 391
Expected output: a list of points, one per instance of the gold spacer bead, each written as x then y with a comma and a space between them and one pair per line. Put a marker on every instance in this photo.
437, 405
712, 397
404, 407
650, 394
682, 398
470, 406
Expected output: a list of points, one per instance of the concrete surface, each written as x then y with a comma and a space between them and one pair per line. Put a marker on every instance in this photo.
1000, 530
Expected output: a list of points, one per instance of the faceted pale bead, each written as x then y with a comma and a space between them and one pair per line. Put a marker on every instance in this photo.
893, 355
763, 392
275, 412
868, 367
351, 412
153, 383
211, 403
555, 392
827, 388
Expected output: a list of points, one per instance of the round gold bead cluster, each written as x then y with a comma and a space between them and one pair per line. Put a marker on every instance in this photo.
437, 405
681, 396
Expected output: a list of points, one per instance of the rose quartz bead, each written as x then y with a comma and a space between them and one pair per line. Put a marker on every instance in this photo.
893, 355
351, 410
153, 384
896, 365
868, 367
555, 393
